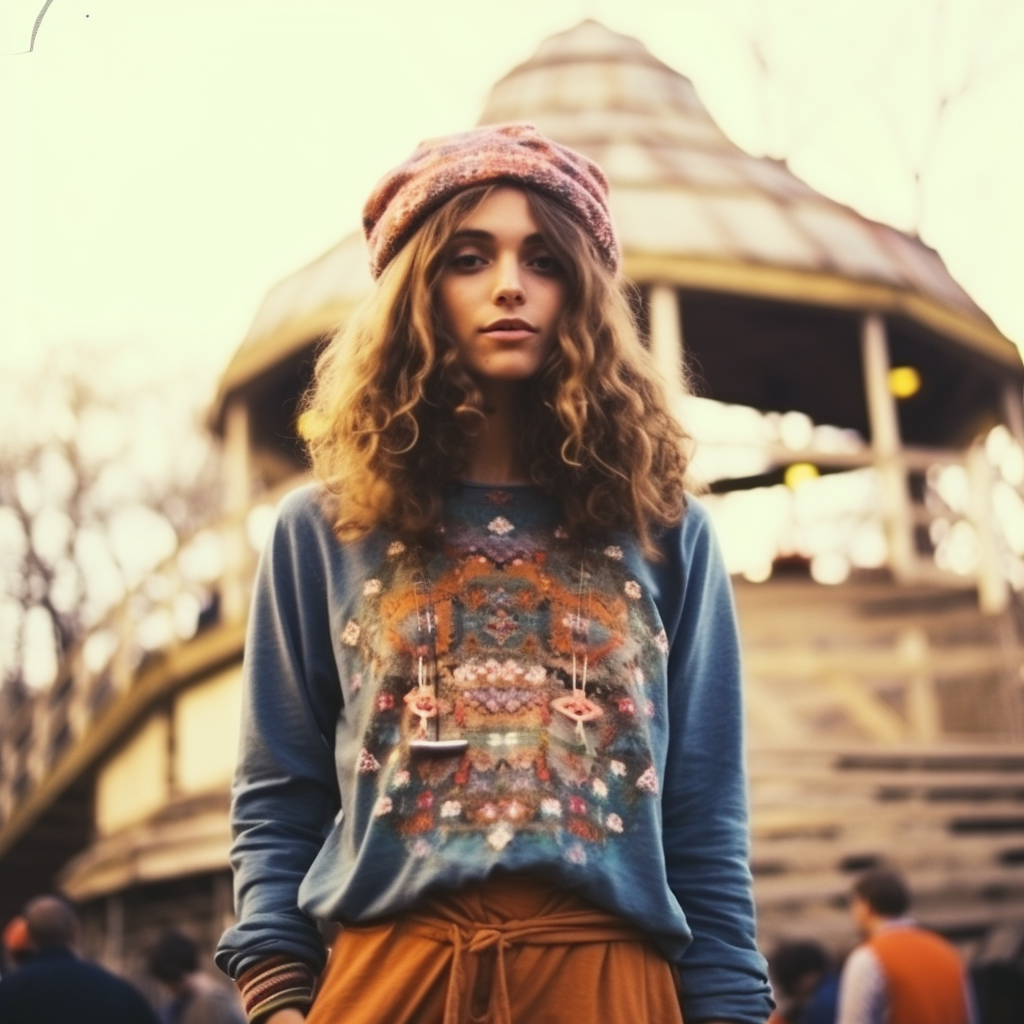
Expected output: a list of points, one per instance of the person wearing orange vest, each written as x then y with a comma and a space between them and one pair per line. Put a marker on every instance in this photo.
900, 974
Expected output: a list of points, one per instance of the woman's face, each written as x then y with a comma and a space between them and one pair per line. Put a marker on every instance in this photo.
501, 291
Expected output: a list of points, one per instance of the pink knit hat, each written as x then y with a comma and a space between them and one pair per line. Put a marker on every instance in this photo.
514, 153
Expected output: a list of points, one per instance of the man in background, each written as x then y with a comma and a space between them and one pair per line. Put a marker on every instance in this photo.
195, 998
55, 986
900, 974
805, 983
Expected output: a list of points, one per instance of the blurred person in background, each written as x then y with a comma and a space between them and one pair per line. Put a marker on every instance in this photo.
999, 991
901, 973
16, 946
195, 998
805, 982
55, 986
492, 703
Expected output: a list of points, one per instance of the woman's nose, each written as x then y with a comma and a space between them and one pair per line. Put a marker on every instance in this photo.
508, 284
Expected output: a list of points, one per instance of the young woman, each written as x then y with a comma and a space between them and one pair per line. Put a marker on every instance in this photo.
492, 719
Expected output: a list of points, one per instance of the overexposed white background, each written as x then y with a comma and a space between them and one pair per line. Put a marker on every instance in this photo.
163, 163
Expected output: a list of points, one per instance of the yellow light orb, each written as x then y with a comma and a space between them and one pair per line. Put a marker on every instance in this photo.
904, 381
799, 473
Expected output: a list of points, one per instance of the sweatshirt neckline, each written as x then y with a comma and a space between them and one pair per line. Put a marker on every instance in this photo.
478, 486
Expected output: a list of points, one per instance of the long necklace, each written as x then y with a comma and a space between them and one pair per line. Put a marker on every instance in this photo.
423, 699
577, 706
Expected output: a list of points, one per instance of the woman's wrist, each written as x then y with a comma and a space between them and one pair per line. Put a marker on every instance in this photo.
275, 986
289, 1015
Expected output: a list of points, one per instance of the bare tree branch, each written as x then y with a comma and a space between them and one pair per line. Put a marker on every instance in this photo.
74, 460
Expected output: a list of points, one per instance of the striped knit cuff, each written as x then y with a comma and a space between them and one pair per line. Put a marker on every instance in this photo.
274, 984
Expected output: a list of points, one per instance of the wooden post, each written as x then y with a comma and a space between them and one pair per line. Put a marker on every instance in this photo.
924, 713
238, 492
993, 592
79, 709
122, 661
38, 761
667, 342
10, 768
886, 446
1013, 411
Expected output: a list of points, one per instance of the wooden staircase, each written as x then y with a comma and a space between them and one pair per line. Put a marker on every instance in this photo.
885, 727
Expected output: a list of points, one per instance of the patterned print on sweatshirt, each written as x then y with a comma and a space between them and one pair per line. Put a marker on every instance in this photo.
532, 649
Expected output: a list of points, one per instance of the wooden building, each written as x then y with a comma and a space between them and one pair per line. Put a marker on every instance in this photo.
861, 430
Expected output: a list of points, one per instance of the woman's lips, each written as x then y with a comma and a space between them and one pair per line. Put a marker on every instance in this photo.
511, 330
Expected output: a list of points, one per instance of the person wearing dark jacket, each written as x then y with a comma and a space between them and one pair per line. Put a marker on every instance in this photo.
194, 997
55, 986
805, 982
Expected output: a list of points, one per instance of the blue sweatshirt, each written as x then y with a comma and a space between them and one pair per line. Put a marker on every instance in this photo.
598, 699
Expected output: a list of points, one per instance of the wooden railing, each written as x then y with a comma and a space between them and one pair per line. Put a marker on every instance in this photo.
954, 520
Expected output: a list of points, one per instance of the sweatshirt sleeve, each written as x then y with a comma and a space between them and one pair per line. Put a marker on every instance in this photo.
285, 792
704, 805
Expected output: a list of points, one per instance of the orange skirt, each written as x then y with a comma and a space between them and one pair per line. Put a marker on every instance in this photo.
511, 951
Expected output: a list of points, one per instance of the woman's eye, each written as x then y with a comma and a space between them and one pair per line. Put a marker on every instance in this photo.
545, 264
467, 261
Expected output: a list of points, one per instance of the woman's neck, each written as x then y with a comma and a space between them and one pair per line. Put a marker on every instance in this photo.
495, 456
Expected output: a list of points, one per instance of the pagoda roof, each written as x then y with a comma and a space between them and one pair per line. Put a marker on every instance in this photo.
691, 209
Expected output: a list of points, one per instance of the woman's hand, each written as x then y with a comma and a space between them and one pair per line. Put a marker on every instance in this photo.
289, 1015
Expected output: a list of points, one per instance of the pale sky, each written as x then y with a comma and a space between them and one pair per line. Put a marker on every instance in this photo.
162, 164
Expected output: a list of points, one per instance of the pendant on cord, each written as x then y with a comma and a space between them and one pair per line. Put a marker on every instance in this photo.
423, 704
579, 709
423, 700
577, 706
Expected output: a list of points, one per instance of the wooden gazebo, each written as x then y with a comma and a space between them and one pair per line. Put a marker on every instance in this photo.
860, 428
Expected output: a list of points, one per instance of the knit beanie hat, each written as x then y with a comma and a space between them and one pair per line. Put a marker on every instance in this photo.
516, 154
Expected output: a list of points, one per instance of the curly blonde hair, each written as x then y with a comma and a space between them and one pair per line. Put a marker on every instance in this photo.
388, 420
